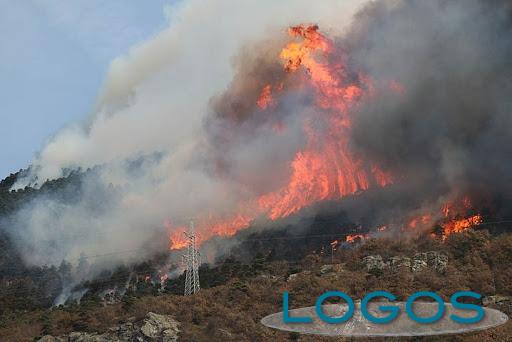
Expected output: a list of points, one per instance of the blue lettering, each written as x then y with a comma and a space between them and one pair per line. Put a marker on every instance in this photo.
394, 310
480, 313
286, 313
334, 320
413, 316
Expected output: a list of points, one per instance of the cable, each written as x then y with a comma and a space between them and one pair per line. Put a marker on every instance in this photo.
123, 277
246, 239
332, 235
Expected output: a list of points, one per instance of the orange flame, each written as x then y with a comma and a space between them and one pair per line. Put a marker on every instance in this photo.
265, 99
352, 238
325, 168
211, 226
423, 220
452, 218
460, 225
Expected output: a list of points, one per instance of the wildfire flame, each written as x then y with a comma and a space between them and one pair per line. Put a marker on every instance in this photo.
325, 168
265, 99
211, 227
352, 238
459, 225
452, 218
423, 220
454, 222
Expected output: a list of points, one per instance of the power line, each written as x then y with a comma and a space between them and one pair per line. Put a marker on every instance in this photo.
332, 235
124, 277
12, 239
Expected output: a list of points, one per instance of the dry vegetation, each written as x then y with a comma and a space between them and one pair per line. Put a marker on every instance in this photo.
232, 311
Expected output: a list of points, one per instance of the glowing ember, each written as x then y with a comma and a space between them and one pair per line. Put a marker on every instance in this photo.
352, 238
423, 220
382, 228
163, 278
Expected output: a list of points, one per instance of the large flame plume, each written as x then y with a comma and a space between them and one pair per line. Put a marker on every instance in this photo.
325, 168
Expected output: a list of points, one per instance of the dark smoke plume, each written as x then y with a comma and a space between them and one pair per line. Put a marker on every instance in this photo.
452, 126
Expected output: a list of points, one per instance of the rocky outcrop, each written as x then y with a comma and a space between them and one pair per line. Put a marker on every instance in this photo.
295, 276
49, 338
437, 260
434, 260
153, 327
330, 268
160, 326
418, 265
374, 263
496, 300
502, 303
398, 263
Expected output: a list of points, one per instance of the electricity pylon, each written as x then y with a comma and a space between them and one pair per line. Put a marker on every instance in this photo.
191, 260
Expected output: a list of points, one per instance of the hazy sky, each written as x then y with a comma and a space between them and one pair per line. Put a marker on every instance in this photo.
53, 58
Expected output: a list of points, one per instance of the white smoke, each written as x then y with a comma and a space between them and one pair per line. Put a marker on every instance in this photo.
154, 102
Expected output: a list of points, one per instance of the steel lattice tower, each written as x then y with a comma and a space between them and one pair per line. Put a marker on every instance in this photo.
191, 260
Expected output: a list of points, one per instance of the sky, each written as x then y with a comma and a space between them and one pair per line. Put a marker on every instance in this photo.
54, 55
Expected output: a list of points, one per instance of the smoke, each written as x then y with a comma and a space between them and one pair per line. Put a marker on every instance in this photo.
152, 113
451, 126
175, 133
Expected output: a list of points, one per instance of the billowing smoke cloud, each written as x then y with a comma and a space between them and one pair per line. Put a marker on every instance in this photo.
152, 112
176, 133
451, 126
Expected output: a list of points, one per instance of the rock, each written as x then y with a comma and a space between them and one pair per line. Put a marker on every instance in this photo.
86, 337
418, 265
495, 300
155, 325
326, 269
398, 263
502, 303
330, 268
292, 276
338, 267
226, 333
374, 263
50, 338
126, 332
170, 335
437, 260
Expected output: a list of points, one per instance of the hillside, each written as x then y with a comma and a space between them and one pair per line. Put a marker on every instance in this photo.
237, 295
